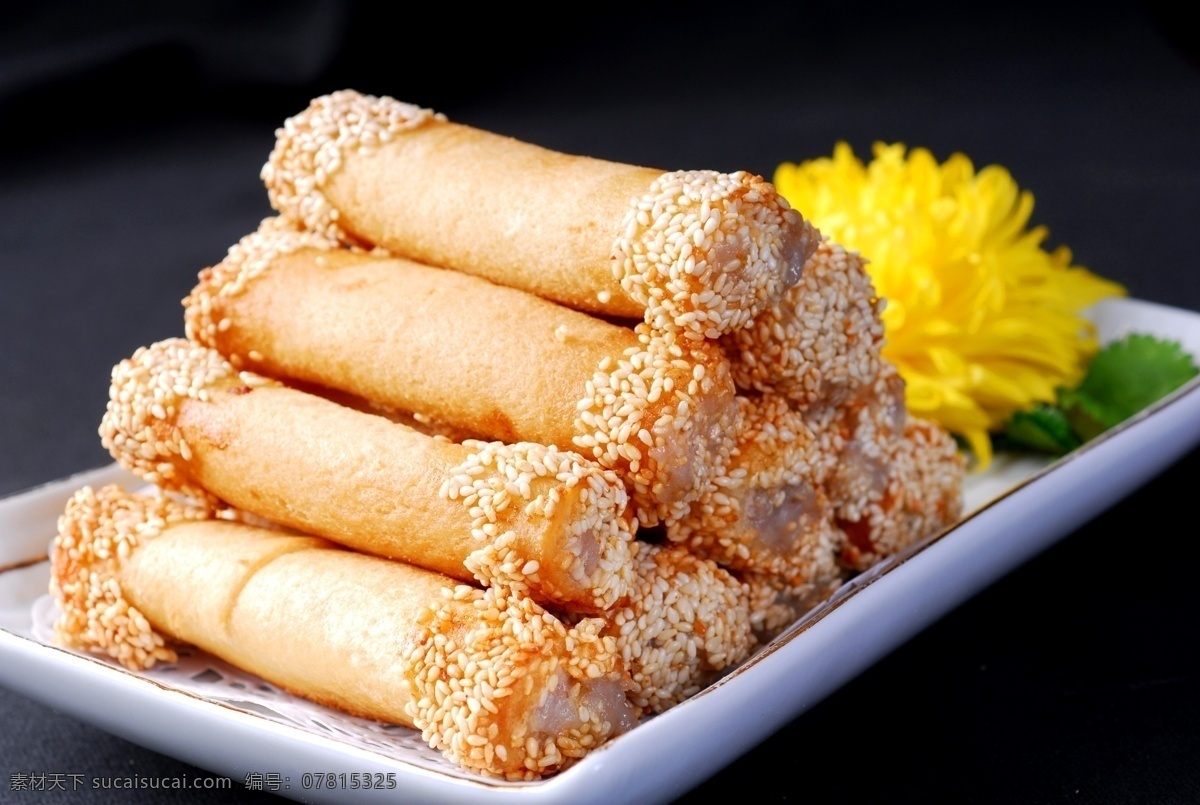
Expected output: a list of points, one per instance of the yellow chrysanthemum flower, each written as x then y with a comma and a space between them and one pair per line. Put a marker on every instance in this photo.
981, 320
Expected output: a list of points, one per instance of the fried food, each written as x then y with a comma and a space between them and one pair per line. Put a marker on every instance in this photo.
697, 251
134, 574
182, 417
475, 356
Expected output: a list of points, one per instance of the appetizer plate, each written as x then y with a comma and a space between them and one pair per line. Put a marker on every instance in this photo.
215, 717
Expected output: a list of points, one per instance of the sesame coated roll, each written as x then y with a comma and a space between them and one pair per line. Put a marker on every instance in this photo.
686, 622
922, 495
821, 342
895, 481
698, 251
473, 355
776, 605
772, 609
182, 417
134, 575
768, 512
663, 415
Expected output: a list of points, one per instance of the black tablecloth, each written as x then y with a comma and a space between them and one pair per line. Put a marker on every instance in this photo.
134, 144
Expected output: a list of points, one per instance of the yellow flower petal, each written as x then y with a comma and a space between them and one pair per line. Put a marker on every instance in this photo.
981, 320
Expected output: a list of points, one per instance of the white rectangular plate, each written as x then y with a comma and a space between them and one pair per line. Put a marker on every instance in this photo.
1017, 508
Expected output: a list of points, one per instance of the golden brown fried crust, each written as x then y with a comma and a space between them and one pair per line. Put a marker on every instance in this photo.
182, 417
655, 408
470, 669
698, 252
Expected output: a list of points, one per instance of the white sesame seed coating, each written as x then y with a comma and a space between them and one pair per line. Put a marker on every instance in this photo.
477, 670
246, 259
770, 611
686, 622
498, 479
862, 435
138, 425
513, 648
775, 605
706, 251
96, 532
662, 416
923, 495
311, 146
821, 341
701, 251
894, 481
767, 511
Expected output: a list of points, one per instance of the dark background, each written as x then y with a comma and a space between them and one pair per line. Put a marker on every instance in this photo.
134, 136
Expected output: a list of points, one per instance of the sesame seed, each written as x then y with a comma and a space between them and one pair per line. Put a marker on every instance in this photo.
821, 342
767, 512
144, 396
709, 266
686, 620
643, 397
894, 481
310, 147
461, 667
596, 553
246, 260
96, 532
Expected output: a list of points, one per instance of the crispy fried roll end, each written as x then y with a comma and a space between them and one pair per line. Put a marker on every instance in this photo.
767, 511
921, 495
310, 147
820, 343
97, 531
706, 251
597, 529
684, 625
663, 416
251, 256
519, 694
775, 604
138, 427
895, 481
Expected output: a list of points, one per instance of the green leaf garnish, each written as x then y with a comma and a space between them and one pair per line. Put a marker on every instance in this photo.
1043, 428
1124, 378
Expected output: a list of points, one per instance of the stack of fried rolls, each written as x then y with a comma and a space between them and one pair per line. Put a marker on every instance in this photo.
698, 250
478, 356
490, 678
180, 416
457, 382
